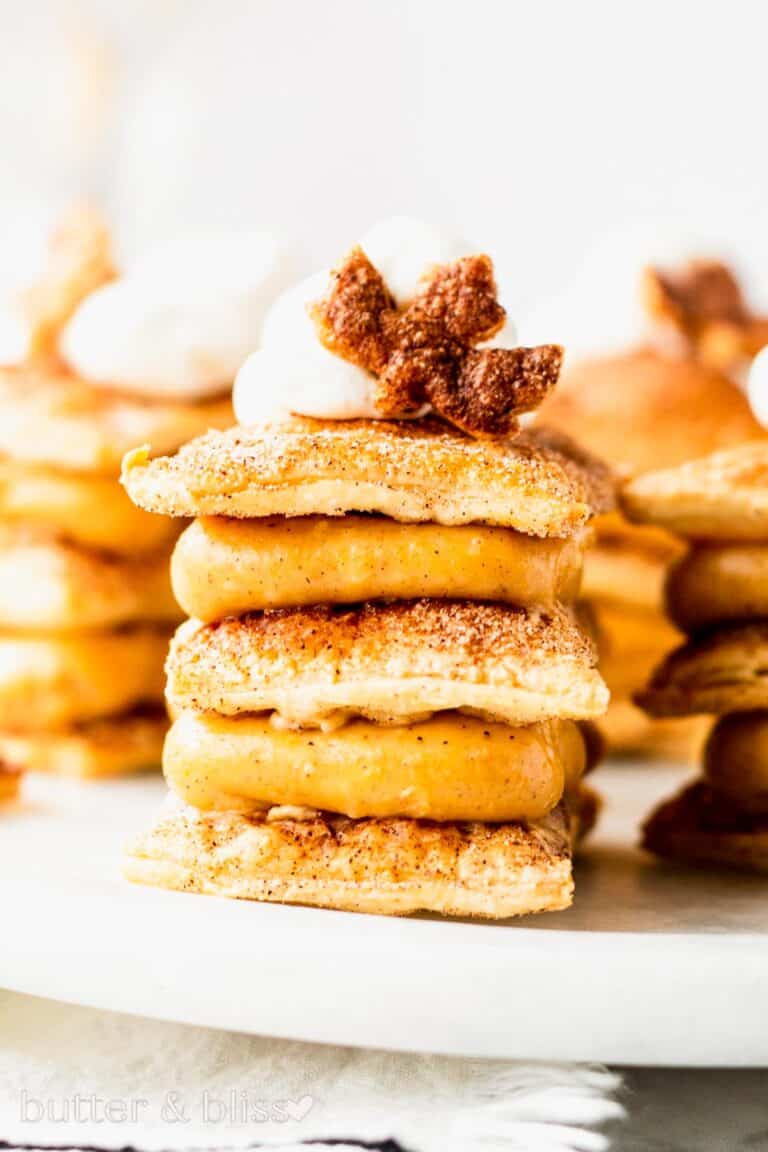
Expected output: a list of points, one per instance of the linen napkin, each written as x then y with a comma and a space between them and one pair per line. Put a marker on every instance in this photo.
79, 1077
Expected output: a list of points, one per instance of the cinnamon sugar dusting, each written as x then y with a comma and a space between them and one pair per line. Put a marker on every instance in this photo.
426, 352
448, 638
422, 470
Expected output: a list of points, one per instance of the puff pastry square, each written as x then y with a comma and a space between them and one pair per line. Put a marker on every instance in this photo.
115, 746
51, 585
719, 497
538, 483
55, 680
392, 663
56, 420
722, 671
699, 826
390, 867
85, 508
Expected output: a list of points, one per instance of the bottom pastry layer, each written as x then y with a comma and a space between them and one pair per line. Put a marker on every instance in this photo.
116, 746
390, 867
701, 826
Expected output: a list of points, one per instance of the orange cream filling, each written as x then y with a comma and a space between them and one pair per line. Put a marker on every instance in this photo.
227, 567
452, 767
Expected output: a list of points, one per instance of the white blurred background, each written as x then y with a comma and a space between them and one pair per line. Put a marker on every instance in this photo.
573, 140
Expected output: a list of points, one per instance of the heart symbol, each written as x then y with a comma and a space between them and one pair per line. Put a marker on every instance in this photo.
299, 1109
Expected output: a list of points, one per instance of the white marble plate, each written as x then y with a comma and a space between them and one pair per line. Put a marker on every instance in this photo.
651, 966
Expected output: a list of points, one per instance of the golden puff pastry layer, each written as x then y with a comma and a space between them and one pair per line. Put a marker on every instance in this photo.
48, 585
721, 671
115, 746
629, 732
55, 681
418, 470
736, 759
393, 663
87, 509
390, 867
229, 567
719, 497
719, 583
451, 767
59, 421
700, 827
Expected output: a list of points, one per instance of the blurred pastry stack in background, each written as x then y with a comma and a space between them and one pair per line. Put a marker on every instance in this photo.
674, 399
86, 607
718, 595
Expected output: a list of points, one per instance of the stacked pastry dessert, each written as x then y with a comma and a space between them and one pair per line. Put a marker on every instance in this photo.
377, 695
86, 608
656, 407
718, 595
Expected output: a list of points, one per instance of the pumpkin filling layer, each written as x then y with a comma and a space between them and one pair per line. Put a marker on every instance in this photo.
226, 567
452, 767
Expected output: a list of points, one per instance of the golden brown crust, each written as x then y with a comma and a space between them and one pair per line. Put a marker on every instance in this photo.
390, 867
86, 509
115, 746
642, 410
540, 483
722, 671
723, 496
699, 826
223, 567
51, 585
391, 662
79, 262
425, 352
703, 304
53, 419
719, 584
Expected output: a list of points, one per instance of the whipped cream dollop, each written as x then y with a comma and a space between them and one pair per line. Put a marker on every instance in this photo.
294, 373
184, 317
757, 386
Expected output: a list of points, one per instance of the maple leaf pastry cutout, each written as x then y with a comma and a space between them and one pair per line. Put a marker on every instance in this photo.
425, 353
703, 303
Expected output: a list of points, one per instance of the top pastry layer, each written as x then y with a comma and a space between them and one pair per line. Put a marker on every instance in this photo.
720, 497
60, 421
539, 483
